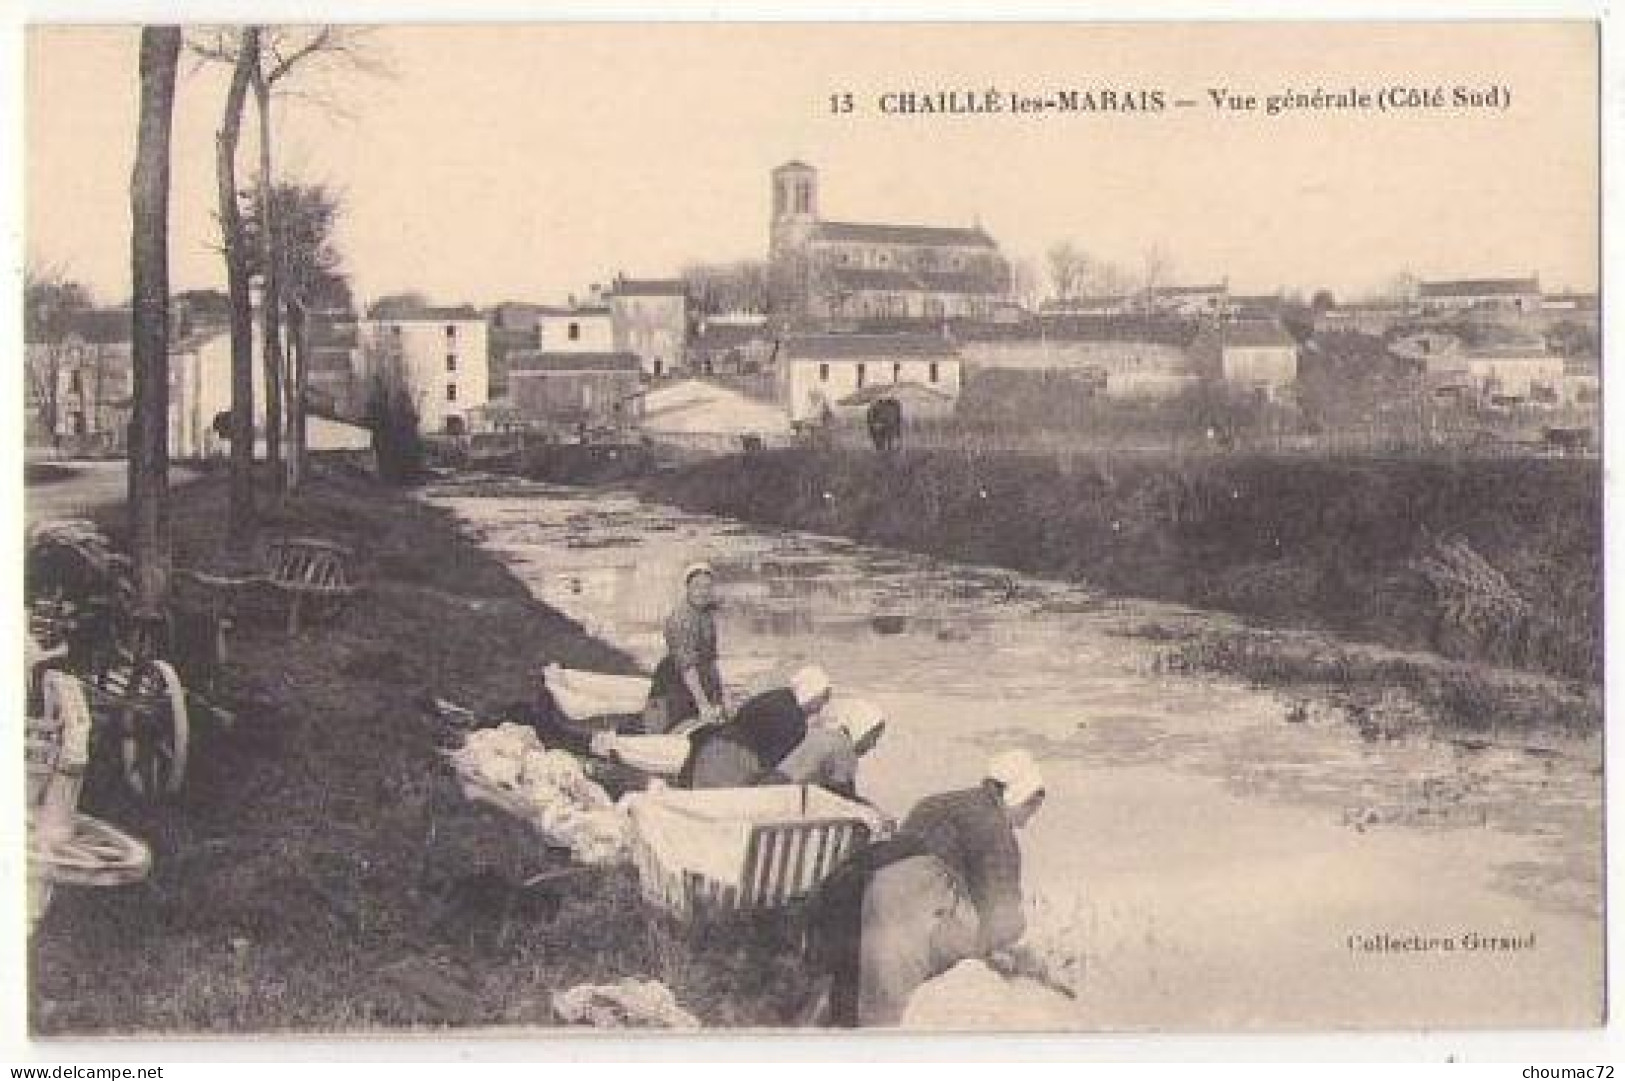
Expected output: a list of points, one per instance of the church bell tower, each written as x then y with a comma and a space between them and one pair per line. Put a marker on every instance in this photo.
795, 205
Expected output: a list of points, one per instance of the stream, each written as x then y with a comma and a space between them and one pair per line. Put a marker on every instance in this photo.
1221, 860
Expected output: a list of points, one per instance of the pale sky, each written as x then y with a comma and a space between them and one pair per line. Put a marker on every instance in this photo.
523, 162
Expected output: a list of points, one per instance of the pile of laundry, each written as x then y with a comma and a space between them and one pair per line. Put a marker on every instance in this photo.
971, 996
627, 1003
557, 795
1053, 947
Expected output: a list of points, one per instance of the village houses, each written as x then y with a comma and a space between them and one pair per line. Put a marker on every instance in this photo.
442, 353
1508, 296
823, 374
1255, 355
649, 318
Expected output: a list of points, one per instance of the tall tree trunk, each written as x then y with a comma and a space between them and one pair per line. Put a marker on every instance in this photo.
271, 300
240, 521
299, 325
149, 264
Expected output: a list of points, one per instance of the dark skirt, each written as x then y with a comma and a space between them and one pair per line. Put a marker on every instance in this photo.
835, 920
666, 688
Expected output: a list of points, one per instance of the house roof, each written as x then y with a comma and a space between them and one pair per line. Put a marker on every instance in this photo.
867, 347
905, 280
928, 235
1084, 327
649, 287
1188, 290
1579, 300
729, 335
907, 389
461, 313
537, 362
1480, 287
579, 310
1254, 333
1383, 307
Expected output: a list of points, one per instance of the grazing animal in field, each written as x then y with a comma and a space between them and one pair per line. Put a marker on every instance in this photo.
885, 419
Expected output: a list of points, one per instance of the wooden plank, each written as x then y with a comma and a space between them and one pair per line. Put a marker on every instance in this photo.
798, 884
747, 878
784, 886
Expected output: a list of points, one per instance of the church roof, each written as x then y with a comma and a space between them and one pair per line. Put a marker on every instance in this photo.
928, 235
902, 280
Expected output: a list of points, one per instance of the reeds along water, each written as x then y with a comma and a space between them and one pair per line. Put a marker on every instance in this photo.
1342, 543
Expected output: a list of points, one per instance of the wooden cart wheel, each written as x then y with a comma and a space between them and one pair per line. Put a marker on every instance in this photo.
97, 854
57, 748
156, 733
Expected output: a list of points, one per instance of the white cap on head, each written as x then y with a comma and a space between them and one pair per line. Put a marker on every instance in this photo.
700, 567
808, 683
1019, 775
858, 717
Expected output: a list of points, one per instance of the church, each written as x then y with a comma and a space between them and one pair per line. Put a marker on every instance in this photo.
825, 271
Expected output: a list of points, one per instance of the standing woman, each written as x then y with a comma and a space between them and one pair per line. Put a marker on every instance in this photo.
687, 683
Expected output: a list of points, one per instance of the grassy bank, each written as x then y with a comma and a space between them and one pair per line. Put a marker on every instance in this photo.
1490, 563
322, 871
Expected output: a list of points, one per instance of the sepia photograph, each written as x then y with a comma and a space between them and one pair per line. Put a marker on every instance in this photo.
577, 529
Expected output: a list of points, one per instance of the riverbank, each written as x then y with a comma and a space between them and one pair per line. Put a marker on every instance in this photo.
1477, 582
322, 871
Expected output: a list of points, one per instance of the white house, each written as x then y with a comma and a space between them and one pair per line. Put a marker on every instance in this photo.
588, 328
1511, 370
1257, 355
651, 320
443, 356
1516, 373
819, 372
200, 391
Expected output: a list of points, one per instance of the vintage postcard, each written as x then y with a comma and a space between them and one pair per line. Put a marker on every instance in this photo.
560, 528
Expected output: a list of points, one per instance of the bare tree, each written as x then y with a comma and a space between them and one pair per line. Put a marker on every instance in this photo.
718, 288
50, 302
1108, 280
1024, 283
312, 279
1402, 289
241, 502
273, 361
1068, 269
149, 264
280, 53
1156, 268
